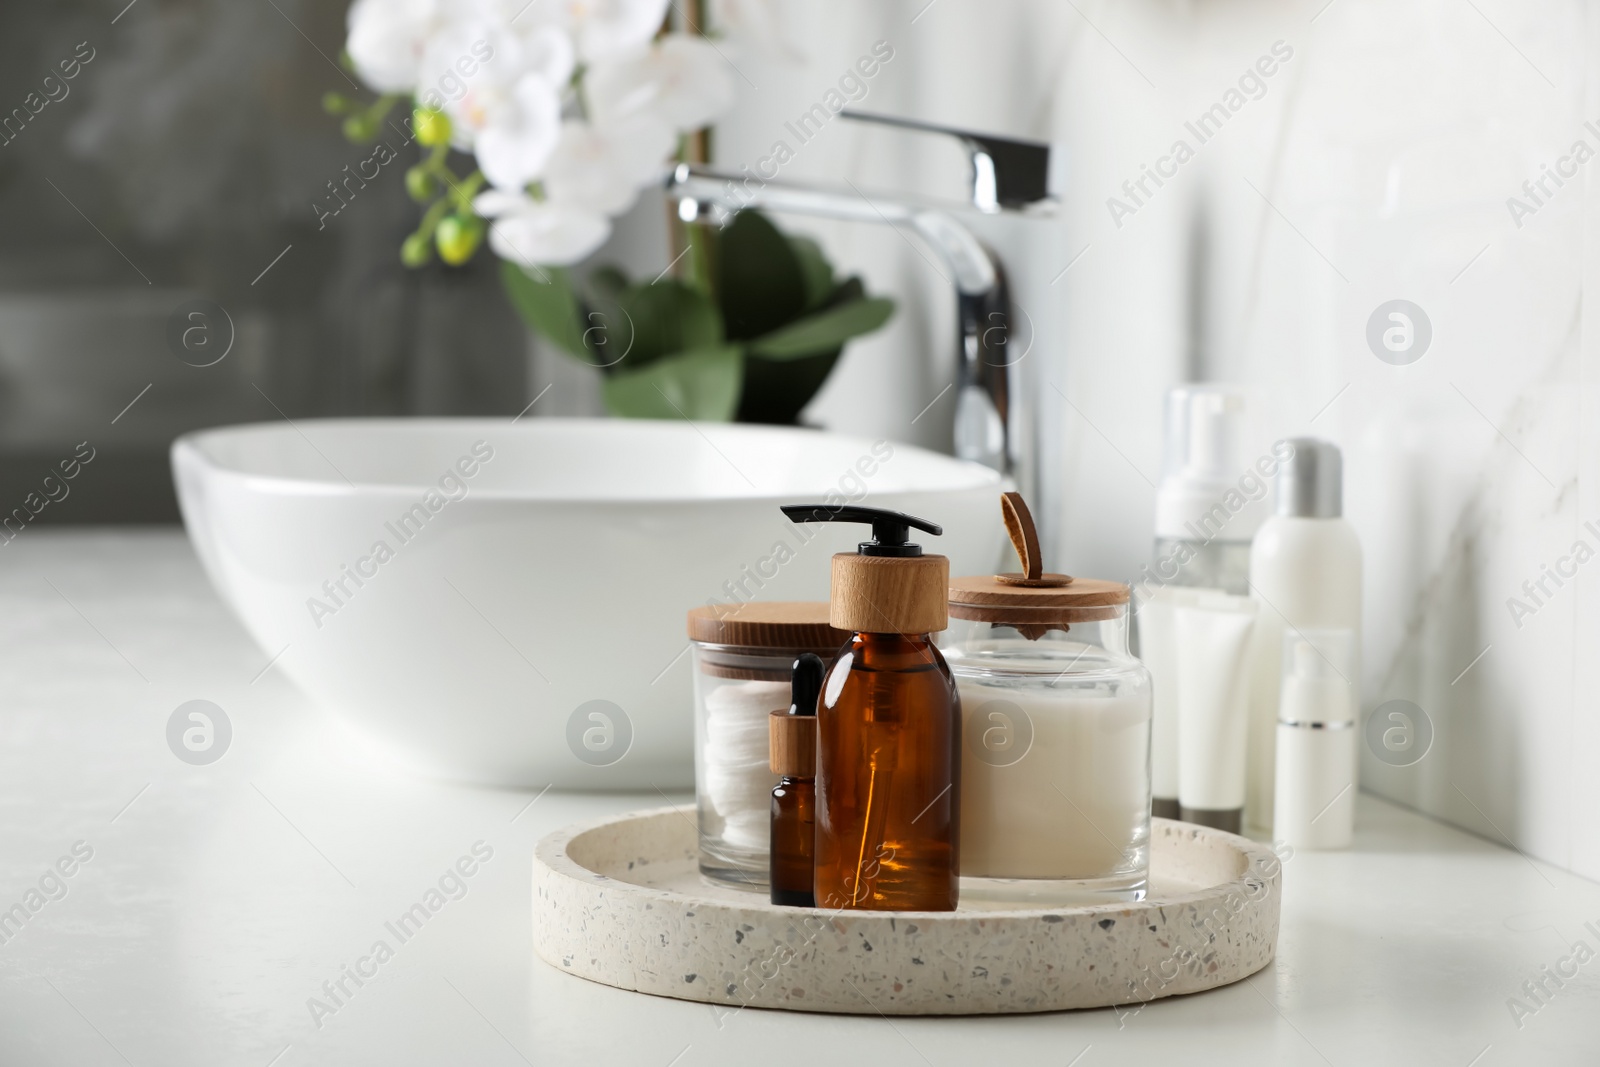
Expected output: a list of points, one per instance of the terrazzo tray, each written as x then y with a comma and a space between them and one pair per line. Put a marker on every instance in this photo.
621, 901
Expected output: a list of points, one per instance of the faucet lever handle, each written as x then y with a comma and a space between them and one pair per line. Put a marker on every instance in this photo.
1006, 172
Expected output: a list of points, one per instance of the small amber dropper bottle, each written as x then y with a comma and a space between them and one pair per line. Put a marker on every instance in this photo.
793, 754
888, 726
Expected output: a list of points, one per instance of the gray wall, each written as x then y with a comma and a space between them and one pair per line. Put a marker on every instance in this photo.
183, 157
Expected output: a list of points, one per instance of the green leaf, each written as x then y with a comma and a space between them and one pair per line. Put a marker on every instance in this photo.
776, 390
826, 329
815, 270
761, 283
702, 384
654, 321
547, 306
607, 282
609, 334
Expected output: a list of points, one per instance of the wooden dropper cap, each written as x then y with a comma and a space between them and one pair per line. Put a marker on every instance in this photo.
792, 734
887, 585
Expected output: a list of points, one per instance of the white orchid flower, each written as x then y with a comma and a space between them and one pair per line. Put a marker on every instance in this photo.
533, 234
602, 168
604, 29
500, 69
502, 93
538, 45
518, 134
681, 81
548, 52
387, 38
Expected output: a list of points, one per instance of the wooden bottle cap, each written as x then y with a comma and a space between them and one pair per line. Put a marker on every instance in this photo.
792, 744
890, 594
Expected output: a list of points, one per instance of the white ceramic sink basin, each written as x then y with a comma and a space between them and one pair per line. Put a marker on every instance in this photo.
457, 589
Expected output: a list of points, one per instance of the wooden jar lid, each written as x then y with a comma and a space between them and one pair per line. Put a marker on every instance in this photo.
792, 744
1033, 600
983, 598
800, 625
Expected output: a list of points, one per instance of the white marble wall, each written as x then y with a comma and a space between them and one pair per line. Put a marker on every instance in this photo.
1387, 174
1376, 165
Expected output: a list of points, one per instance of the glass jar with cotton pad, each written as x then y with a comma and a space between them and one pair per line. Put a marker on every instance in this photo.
743, 655
1055, 762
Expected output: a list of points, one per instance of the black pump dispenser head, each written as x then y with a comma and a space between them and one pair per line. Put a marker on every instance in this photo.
891, 530
805, 684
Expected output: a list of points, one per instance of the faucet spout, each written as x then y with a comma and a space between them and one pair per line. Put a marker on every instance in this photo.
983, 424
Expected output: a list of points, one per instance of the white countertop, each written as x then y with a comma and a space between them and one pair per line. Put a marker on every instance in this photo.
219, 899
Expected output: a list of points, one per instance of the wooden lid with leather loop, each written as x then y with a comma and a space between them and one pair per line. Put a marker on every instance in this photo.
1033, 601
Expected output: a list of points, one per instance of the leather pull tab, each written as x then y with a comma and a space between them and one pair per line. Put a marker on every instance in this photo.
1025, 539
1024, 535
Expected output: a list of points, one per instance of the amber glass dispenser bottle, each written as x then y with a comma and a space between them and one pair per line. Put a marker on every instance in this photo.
793, 756
888, 726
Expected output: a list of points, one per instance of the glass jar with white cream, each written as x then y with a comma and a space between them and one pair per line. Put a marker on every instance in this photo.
1055, 775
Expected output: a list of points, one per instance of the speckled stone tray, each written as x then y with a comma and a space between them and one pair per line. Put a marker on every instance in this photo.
621, 901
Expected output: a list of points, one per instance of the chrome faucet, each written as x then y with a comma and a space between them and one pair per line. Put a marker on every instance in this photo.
1007, 176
